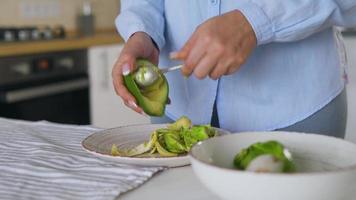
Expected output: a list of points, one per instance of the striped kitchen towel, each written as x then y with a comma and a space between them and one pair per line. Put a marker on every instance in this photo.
42, 160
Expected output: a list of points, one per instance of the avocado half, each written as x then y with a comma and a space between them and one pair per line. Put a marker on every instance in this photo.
153, 98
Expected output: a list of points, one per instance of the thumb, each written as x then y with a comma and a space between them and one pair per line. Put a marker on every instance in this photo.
128, 63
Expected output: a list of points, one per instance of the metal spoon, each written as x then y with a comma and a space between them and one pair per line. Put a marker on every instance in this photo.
149, 75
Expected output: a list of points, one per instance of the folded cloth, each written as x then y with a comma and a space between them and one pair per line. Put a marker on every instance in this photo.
42, 160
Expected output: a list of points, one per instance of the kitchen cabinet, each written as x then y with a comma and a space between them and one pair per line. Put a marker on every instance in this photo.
350, 45
107, 109
69, 43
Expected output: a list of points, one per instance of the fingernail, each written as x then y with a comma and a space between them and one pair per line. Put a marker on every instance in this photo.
125, 69
185, 75
173, 55
144, 114
133, 104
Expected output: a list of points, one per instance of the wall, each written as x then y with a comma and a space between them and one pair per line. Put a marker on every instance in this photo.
350, 44
105, 11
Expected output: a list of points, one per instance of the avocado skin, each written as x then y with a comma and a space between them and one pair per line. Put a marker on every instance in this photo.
153, 100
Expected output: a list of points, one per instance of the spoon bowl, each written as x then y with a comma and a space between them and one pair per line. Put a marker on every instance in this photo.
146, 76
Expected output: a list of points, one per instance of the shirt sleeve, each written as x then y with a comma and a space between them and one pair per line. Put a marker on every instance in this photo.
285, 20
142, 16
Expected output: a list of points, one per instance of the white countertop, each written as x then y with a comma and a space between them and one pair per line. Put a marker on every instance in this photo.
173, 184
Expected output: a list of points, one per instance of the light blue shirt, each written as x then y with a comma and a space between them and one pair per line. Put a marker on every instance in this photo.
296, 69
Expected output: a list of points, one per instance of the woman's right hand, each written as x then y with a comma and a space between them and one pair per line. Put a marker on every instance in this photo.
139, 45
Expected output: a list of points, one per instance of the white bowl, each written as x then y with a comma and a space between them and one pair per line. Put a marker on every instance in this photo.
326, 168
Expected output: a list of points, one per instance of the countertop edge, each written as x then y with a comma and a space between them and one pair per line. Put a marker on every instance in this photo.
25, 48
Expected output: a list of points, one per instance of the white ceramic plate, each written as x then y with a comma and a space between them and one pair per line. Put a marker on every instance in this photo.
100, 143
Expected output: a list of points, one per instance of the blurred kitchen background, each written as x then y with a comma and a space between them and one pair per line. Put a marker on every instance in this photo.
55, 62
56, 58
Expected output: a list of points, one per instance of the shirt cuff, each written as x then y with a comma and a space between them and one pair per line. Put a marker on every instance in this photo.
259, 21
127, 31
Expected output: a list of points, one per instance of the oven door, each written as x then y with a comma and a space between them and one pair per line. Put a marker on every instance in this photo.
65, 101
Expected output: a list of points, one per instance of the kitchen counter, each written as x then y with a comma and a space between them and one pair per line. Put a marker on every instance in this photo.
174, 184
44, 160
71, 43
39, 162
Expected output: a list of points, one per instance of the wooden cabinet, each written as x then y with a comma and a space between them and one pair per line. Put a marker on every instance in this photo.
350, 45
107, 109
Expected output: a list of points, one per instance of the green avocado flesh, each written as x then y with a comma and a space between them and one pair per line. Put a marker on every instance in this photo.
153, 98
274, 148
173, 140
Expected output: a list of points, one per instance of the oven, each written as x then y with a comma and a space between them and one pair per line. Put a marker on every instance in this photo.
50, 86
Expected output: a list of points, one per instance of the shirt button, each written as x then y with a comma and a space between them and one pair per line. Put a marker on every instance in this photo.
214, 2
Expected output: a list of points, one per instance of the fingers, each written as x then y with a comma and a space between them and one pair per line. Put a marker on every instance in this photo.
134, 107
140, 45
123, 66
221, 68
194, 57
205, 65
127, 62
116, 75
234, 64
231, 70
122, 91
218, 47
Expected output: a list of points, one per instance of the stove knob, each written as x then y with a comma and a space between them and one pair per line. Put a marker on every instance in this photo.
22, 68
9, 35
35, 34
23, 34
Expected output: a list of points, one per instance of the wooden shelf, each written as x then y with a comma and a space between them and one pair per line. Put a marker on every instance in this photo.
33, 47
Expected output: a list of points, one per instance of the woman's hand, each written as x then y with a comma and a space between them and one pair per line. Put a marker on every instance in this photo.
139, 45
218, 47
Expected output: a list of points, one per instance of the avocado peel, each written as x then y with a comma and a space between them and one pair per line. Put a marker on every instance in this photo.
173, 140
153, 98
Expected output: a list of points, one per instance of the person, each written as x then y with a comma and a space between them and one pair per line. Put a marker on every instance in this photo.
253, 65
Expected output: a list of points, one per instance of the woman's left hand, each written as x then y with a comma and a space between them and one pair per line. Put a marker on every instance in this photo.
218, 47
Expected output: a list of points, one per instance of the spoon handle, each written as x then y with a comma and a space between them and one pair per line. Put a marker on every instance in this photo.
169, 69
